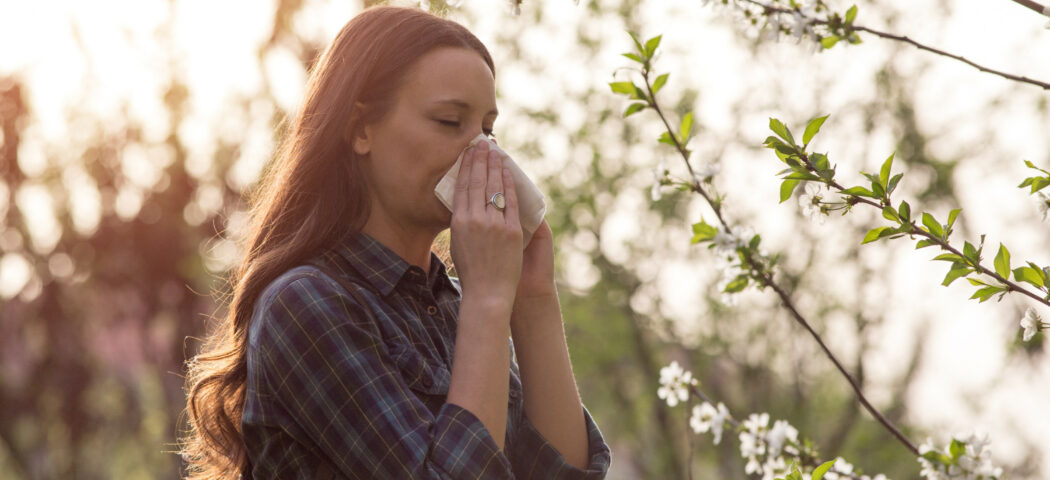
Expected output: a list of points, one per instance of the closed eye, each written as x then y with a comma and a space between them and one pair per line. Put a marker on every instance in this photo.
455, 124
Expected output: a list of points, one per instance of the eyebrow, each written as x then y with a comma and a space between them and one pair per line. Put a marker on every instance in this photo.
464, 105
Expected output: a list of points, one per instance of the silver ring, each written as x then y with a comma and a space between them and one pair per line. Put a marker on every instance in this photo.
498, 201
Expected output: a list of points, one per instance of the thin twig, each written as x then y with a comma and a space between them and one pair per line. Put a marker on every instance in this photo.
767, 279
1033, 6
921, 46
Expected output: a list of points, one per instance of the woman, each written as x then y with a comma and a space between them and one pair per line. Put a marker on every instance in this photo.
347, 351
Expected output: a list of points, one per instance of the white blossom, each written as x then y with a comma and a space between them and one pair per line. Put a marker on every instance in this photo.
708, 418
730, 273
842, 470
781, 433
810, 201
1042, 203
773, 27
706, 172
725, 242
674, 382
659, 177
1031, 323
973, 463
803, 21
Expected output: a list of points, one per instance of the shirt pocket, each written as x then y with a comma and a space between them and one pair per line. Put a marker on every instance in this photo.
421, 374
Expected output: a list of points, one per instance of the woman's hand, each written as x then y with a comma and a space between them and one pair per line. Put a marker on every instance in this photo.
537, 272
486, 242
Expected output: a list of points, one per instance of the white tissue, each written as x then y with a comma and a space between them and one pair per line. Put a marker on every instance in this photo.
531, 207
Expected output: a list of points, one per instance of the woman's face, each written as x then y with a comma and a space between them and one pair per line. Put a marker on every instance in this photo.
448, 97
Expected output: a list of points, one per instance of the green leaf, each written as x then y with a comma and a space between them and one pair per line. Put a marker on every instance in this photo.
952, 216
686, 126
976, 281
985, 293
904, 212
637, 44
703, 232
638, 94
738, 284
877, 233
925, 243
633, 109
819, 161
1032, 165
659, 82
957, 449
786, 189
651, 45
878, 189
786, 150
1030, 275
828, 42
970, 252
626, 88
1002, 262
890, 214
773, 142
932, 225
884, 173
893, 182
634, 57
781, 130
956, 272
851, 15
858, 191
950, 257
1039, 183
755, 240
812, 128
809, 177
818, 473
935, 456
666, 139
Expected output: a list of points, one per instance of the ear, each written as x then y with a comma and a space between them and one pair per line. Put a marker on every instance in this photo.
361, 136
362, 140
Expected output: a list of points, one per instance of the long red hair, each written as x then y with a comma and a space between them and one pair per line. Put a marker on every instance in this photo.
312, 195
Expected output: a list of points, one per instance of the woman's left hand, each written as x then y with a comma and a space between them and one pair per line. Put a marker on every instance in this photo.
537, 266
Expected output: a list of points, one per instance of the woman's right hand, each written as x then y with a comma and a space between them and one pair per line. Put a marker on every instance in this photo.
486, 242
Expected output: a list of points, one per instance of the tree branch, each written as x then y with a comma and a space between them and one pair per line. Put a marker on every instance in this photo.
767, 279
901, 38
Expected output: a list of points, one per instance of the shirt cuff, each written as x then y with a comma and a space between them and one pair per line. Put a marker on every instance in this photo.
464, 448
537, 458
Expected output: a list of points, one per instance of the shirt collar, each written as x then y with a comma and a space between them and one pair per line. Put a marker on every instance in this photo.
382, 268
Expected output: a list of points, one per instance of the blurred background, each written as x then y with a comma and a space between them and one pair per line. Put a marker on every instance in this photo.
131, 130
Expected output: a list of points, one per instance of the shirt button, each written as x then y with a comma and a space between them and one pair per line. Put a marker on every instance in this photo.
432, 310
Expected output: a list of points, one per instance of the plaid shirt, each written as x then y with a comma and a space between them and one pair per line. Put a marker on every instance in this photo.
359, 391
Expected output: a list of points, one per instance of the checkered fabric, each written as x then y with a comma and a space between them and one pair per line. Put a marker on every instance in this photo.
355, 383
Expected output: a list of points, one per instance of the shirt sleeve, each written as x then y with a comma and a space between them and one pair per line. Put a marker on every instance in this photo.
325, 363
533, 457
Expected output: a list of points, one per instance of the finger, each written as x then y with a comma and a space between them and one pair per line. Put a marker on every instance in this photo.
459, 197
510, 193
495, 181
478, 176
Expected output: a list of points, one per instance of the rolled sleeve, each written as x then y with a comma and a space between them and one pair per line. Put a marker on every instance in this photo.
322, 360
533, 457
